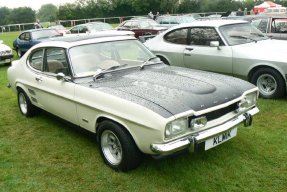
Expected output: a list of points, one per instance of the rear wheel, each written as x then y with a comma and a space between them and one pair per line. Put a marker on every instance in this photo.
269, 82
25, 105
118, 148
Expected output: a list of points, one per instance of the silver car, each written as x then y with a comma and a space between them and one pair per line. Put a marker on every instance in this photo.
226, 46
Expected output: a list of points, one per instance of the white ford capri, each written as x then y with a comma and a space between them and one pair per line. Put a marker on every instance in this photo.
116, 88
6, 54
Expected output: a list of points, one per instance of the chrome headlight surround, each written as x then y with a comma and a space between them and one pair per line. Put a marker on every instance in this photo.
198, 123
248, 101
176, 127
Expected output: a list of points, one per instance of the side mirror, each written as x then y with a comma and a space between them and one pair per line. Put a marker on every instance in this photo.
214, 44
62, 77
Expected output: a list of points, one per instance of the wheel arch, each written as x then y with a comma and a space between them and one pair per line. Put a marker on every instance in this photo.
255, 68
164, 59
120, 123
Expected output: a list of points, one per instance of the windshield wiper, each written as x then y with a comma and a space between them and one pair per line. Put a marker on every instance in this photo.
146, 61
100, 72
243, 37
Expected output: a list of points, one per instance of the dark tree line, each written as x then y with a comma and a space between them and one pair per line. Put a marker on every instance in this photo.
83, 9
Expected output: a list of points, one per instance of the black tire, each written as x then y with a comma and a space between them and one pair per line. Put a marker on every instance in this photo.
270, 83
117, 147
25, 105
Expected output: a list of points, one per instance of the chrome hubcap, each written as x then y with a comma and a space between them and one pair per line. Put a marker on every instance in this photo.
111, 147
22, 103
267, 84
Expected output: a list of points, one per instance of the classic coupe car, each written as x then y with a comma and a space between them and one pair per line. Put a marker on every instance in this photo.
230, 47
29, 38
115, 87
90, 27
141, 27
6, 54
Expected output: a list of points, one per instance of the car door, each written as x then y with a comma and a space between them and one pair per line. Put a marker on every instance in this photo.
24, 41
199, 54
53, 95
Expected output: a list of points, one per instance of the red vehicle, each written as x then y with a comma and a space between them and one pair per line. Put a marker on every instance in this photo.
141, 27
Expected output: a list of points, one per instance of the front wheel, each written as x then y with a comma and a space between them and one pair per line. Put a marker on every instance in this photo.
117, 147
269, 82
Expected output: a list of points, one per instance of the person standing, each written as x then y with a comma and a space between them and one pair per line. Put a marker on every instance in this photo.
150, 15
38, 24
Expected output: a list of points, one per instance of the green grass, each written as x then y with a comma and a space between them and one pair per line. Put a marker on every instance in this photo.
46, 154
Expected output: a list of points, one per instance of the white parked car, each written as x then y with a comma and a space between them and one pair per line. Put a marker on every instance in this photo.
6, 53
230, 47
115, 87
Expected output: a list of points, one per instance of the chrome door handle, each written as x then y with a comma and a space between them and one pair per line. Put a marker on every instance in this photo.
39, 79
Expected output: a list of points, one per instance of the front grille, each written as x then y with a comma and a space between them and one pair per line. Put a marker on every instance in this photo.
218, 113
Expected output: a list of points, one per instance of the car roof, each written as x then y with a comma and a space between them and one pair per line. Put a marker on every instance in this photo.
41, 29
71, 41
212, 23
91, 23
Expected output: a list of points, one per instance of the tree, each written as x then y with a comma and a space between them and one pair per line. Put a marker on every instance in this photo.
22, 15
4, 15
47, 12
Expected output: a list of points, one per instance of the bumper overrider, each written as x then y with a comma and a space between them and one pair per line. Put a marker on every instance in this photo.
191, 140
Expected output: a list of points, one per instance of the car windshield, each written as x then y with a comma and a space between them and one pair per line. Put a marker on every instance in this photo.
45, 34
236, 34
100, 27
88, 59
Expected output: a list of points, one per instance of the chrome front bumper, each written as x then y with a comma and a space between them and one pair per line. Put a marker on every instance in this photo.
190, 140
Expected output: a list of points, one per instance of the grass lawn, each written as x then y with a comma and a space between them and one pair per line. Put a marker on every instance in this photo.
46, 154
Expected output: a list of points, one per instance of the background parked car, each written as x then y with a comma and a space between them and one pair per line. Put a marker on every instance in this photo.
29, 38
115, 87
5, 53
274, 26
170, 20
96, 28
141, 27
91, 27
226, 46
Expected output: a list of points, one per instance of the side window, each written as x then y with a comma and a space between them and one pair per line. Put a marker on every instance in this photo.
74, 30
279, 26
83, 29
56, 61
260, 24
36, 60
144, 24
178, 36
203, 36
22, 36
127, 25
27, 37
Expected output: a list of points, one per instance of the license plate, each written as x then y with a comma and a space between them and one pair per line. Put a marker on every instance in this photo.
221, 138
7, 60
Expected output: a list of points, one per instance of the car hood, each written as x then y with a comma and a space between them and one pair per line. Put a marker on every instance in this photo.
4, 47
269, 50
172, 90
